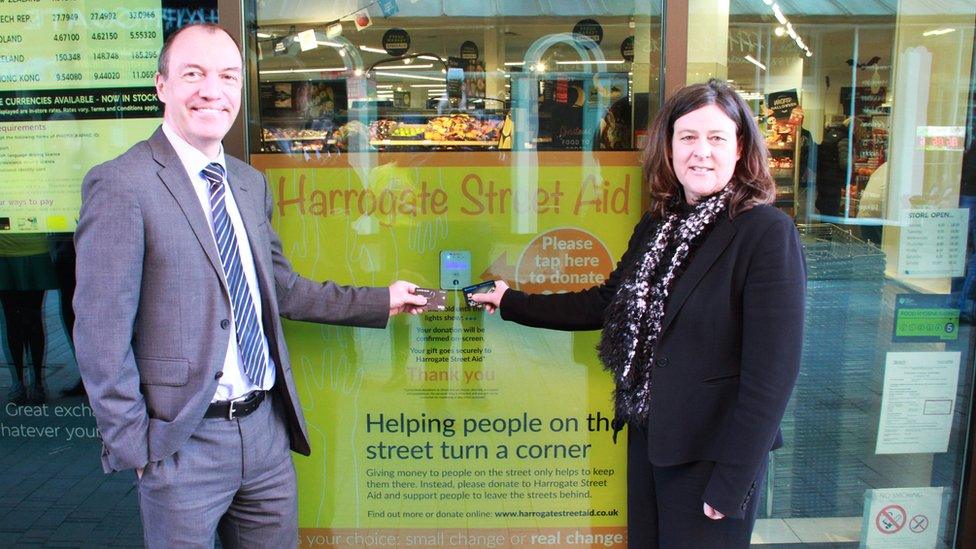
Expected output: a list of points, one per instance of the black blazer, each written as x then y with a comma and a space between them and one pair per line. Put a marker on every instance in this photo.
729, 351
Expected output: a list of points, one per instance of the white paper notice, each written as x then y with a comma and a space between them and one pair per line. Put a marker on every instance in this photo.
933, 243
917, 402
902, 517
307, 41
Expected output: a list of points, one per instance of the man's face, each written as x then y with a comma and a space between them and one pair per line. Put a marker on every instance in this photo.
202, 90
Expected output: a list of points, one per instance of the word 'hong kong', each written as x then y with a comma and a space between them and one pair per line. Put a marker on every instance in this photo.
475, 196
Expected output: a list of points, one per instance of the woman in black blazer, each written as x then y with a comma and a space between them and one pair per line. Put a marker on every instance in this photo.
702, 325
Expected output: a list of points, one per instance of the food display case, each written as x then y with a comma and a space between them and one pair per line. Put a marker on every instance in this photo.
869, 153
783, 162
302, 116
781, 127
283, 139
868, 143
564, 111
477, 130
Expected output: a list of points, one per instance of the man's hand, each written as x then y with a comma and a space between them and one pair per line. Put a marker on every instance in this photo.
492, 300
712, 512
403, 300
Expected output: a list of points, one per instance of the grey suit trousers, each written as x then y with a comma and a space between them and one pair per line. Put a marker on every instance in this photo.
233, 477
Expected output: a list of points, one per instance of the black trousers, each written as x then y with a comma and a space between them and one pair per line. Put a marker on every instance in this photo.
664, 504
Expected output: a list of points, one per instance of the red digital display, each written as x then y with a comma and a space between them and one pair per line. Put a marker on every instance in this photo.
940, 143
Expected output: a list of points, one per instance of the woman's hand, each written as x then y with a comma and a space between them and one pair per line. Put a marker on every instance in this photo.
712, 512
492, 300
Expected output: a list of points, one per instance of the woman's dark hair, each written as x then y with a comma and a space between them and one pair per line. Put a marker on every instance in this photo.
751, 181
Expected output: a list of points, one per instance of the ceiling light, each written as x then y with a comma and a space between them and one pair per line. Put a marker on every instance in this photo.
752, 60
937, 32
786, 28
779, 14
406, 75
402, 67
371, 50
296, 71
514, 63
608, 62
426, 85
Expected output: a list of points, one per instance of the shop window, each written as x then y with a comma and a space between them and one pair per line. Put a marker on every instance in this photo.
76, 89
867, 111
449, 143
553, 80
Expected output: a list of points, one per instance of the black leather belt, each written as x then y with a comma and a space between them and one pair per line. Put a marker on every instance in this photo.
239, 407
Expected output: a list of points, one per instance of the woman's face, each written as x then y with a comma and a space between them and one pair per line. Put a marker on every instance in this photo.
704, 151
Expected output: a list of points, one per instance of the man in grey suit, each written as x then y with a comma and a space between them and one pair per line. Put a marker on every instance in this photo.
181, 282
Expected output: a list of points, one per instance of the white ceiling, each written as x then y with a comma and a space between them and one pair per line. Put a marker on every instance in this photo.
279, 11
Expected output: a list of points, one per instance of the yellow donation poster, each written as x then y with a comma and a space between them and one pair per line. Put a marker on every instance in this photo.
455, 428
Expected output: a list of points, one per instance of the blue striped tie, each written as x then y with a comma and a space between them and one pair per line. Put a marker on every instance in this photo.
250, 337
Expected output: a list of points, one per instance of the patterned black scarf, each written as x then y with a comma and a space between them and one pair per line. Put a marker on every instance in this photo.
634, 317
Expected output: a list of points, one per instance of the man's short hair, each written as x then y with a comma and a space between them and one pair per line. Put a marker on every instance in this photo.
162, 66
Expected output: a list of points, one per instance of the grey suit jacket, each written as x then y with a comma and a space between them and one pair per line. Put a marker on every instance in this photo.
151, 302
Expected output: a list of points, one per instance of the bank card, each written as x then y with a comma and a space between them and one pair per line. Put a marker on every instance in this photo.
482, 288
436, 299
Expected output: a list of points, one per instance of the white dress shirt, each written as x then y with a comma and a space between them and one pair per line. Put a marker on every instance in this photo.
233, 383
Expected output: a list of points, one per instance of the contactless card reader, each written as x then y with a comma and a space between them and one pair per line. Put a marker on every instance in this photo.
455, 269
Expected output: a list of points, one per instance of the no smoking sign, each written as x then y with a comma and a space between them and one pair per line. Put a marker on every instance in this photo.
918, 524
891, 519
903, 517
